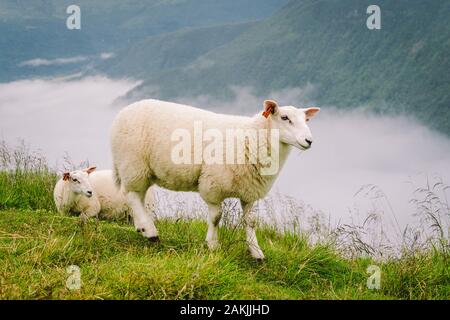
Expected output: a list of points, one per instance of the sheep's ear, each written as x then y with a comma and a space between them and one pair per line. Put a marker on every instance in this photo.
90, 169
311, 112
66, 176
270, 107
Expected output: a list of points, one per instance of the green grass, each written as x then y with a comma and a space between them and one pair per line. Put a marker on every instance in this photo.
29, 190
26, 181
37, 246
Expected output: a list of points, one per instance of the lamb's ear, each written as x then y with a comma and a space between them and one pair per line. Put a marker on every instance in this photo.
66, 176
311, 112
90, 169
270, 107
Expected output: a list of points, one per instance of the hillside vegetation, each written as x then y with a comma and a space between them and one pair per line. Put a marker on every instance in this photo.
37, 245
37, 29
116, 262
401, 68
170, 51
189, 48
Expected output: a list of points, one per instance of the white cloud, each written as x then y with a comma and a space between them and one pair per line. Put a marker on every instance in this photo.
106, 55
62, 116
350, 149
38, 62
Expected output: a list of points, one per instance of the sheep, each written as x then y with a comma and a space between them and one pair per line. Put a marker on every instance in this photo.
91, 193
142, 137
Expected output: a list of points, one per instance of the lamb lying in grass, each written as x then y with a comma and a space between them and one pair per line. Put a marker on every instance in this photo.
142, 148
91, 193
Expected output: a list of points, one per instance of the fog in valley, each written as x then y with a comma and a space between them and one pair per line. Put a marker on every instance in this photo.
351, 148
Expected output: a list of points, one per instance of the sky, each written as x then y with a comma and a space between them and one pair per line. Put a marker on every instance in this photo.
351, 148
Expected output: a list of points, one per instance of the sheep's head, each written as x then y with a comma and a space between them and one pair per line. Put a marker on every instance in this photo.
291, 123
78, 181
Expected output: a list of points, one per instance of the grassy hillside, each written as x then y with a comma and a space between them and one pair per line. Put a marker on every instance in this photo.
37, 245
401, 68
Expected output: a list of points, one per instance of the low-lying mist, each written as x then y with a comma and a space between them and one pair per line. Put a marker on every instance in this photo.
62, 117
351, 148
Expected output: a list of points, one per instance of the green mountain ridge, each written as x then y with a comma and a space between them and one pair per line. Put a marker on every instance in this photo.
401, 68
169, 51
190, 48
37, 29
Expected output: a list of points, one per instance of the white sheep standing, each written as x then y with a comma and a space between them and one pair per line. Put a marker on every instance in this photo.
142, 156
91, 193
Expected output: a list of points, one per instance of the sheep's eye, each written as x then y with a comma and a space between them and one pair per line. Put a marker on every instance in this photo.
286, 118
74, 180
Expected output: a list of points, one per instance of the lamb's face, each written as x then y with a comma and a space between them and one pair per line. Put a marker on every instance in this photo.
292, 123
78, 181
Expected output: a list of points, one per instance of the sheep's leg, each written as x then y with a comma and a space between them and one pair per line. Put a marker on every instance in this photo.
84, 216
250, 224
150, 203
143, 222
92, 211
214, 215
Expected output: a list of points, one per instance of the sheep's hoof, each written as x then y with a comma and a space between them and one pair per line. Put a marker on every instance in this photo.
154, 239
259, 260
